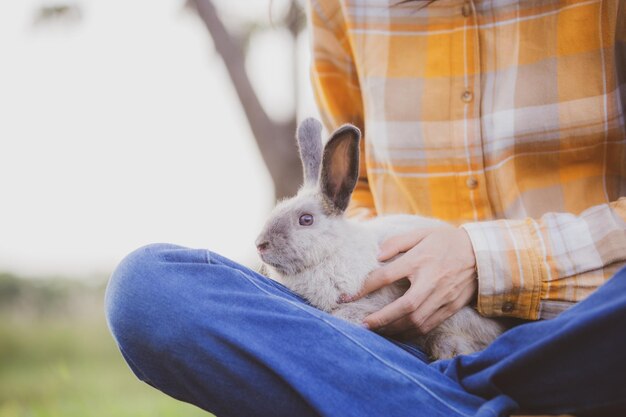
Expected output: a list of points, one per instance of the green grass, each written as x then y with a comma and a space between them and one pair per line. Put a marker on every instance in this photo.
65, 364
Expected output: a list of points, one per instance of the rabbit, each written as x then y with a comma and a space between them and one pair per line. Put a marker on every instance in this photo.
311, 248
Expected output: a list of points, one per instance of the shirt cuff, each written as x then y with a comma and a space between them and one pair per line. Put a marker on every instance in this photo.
511, 266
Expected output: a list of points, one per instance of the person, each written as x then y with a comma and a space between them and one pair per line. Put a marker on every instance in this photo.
504, 118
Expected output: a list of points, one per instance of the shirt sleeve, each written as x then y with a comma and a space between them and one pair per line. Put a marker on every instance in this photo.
523, 264
336, 87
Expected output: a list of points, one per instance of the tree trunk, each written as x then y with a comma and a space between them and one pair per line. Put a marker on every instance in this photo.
275, 140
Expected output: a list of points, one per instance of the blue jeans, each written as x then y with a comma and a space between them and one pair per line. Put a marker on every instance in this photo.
213, 333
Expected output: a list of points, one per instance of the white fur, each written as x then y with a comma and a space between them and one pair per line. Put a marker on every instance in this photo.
344, 260
334, 255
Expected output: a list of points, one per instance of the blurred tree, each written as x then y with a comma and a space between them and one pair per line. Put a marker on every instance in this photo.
61, 14
274, 139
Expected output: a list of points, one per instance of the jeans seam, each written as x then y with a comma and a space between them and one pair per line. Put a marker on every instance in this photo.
374, 355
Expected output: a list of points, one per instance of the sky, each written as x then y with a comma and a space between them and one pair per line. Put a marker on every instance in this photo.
123, 129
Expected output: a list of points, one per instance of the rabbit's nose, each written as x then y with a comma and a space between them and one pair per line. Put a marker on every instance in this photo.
263, 246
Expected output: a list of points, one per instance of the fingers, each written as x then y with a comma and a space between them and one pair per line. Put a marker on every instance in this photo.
395, 270
416, 319
401, 243
438, 317
390, 313
433, 311
385, 275
400, 326
399, 308
446, 311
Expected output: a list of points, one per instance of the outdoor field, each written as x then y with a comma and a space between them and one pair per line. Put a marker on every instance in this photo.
57, 358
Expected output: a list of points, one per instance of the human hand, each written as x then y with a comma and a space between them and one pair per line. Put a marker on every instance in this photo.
441, 267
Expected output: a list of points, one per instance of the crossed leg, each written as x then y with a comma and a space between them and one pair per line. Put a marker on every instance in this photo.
208, 331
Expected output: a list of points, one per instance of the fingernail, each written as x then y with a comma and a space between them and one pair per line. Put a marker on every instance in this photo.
365, 325
344, 298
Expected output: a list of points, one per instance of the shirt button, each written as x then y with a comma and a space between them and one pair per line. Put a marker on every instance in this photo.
467, 96
466, 9
507, 307
471, 183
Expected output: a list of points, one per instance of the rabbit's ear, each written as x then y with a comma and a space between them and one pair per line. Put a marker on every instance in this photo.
340, 168
310, 145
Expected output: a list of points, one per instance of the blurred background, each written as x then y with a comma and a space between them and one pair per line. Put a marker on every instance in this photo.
124, 123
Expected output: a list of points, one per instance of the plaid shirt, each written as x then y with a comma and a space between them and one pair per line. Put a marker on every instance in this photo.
505, 117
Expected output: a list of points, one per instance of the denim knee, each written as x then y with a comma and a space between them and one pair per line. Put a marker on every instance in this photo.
127, 281
141, 297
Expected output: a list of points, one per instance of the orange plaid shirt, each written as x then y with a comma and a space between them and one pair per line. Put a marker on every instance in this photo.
504, 117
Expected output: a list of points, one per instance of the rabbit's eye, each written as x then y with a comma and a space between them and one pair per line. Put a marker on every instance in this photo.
306, 220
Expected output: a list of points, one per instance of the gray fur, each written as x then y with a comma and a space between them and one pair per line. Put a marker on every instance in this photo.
334, 255
309, 138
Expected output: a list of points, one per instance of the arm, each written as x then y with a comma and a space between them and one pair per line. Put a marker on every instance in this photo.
336, 87
560, 257
527, 268
521, 264
535, 268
